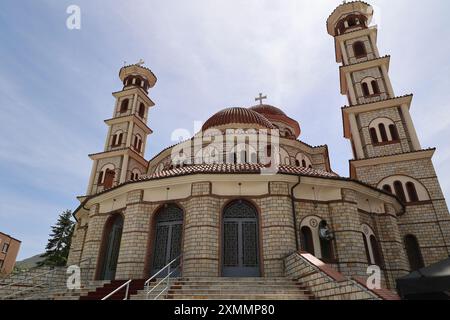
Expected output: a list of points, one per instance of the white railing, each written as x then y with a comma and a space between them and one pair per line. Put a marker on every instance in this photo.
126, 284
166, 279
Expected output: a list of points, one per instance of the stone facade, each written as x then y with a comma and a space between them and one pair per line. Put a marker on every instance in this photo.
348, 223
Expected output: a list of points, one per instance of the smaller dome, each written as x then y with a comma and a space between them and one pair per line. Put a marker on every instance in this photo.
267, 109
238, 116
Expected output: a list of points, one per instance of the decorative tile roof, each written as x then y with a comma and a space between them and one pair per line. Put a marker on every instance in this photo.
237, 115
234, 168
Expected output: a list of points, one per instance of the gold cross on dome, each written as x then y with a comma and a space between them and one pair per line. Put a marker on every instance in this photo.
260, 99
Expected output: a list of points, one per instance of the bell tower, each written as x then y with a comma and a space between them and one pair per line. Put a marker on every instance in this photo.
387, 153
123, 156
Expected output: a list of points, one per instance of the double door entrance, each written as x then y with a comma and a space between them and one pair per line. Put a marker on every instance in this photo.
240, 241
168, 238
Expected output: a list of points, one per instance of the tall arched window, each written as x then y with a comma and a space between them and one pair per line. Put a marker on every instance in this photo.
394, 132
297, 163
366, 247
109, 179
376, 251
359, 49
398, 187
141, 111
117, 139
124, 106
387, 188
307, 243
304, 163
413, 252
383, 133
365, 89
137, 143
375, 87
412, 192
373, 135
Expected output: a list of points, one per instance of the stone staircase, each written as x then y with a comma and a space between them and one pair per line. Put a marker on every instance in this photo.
233, 289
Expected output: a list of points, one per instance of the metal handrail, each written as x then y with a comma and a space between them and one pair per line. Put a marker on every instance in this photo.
169, 273
165, 267
127, 284
162, 280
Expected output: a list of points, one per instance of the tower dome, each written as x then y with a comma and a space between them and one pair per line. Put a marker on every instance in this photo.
237, 116
288, 127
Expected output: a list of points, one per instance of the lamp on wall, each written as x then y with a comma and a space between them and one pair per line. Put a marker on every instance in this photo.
167, 198
240, 193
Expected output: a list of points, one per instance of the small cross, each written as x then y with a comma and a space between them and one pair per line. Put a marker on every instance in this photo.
141, 62
260, 98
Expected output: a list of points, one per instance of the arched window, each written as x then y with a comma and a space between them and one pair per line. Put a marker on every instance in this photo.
413, 252
376, 251
304, 163
373, 135
394, 132
117, 139
138, 82
359, 49
366, 247
398, 187
387, 188
382, 128
297, 163
365, 89
109, 179
307, 243
135, 174
124, 106
141, 111
100, 178
351, 21
375, 87
326, 245
137, 143
412, 192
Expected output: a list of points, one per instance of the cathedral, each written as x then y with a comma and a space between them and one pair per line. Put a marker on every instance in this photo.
245, 197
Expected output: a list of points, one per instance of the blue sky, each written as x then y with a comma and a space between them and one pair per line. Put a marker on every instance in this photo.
56, 84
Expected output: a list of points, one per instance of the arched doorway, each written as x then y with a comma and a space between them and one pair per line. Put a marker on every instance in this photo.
111, 247
240, 240
168, 236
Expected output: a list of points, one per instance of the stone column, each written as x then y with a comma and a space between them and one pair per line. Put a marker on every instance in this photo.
344, 52
91, 250
387, 80
133, 246
201, 233
356, 137
276, 228
390, 240
351, 89
410, 127
351, 253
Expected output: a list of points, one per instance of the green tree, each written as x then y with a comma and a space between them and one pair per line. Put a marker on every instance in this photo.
58, 246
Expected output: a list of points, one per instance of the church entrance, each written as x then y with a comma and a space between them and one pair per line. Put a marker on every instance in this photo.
168, 236
240, 253
112, 247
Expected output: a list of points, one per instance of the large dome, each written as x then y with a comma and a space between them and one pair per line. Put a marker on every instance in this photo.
237, 116
267, 109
